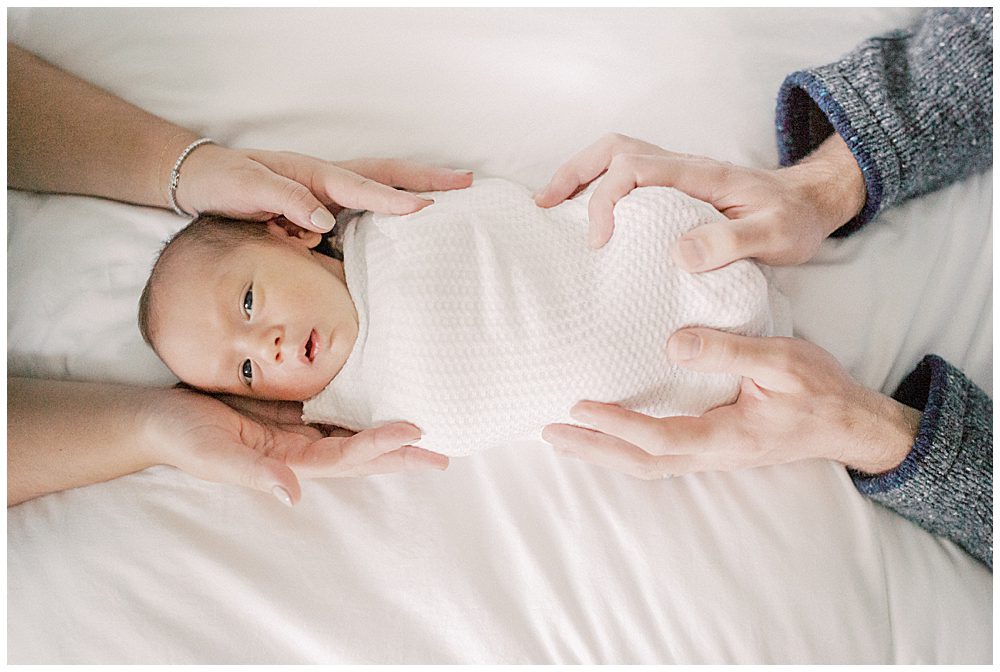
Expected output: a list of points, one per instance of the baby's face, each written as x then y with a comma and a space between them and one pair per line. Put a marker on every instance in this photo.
271, 320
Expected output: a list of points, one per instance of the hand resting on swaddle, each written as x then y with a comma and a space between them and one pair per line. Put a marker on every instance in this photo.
479, 319
483, 317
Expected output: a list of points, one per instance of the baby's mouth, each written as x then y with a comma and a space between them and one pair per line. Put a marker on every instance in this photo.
311, 346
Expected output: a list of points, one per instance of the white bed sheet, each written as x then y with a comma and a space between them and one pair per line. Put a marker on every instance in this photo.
512, 555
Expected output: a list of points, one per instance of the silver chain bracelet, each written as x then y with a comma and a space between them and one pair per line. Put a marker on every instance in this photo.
175, 175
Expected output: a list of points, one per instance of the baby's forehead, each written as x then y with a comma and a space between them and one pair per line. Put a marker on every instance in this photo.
188, 270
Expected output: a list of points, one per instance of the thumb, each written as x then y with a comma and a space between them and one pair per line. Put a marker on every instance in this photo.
719, 243
269, 475
768, 361
283, 196
235, 463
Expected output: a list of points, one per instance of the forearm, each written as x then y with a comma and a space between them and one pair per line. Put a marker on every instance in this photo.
915, 107
63, 435
67, 136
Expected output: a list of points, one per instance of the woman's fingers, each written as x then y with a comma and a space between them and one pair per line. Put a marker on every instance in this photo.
336, 456
226, 459
294, 184
351, 190
274, 193
406, 458
409, 174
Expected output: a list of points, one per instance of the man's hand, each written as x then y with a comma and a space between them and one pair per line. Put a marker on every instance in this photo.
778, 217
795, 402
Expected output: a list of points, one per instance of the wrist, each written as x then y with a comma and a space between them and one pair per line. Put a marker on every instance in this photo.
197, 166
884, 437
157, 425
831, 180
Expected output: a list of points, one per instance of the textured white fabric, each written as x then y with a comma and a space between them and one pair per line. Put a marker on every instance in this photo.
484, 317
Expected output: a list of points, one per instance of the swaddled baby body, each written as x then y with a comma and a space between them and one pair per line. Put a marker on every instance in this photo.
484, 318
479, 319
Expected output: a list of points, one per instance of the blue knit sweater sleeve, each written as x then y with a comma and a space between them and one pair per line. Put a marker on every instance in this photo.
914, 106
945, 484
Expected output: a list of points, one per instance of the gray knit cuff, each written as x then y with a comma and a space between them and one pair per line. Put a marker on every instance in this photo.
814, 103
945, 484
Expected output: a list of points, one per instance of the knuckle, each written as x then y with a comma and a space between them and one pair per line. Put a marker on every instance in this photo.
615, 139
724, 238
626, 162
296, 193
787, 360
726, 353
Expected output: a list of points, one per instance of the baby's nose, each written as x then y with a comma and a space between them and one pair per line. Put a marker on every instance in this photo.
272, 345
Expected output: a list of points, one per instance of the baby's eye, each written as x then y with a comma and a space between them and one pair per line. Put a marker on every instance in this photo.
248, 301
246, 372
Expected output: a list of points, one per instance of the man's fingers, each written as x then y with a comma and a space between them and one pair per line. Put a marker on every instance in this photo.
694, 176
580, 170
608, 451
409, 174
588, 164
715, 245
658, 436
774, 363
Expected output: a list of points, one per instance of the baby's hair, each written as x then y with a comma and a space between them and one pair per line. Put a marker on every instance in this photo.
219, 234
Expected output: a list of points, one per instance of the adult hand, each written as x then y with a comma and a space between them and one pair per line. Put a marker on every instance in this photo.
778, 217
795, 402
259, 185
266, 447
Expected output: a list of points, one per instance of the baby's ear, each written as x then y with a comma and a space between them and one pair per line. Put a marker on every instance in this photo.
293, 233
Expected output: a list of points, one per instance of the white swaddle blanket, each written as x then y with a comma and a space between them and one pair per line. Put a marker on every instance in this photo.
483, 317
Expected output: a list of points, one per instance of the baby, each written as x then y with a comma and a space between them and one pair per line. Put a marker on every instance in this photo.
480, 319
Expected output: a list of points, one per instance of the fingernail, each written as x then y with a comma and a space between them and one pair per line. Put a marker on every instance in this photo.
282, 495
691, 251
684, 345
322, 219
463, 171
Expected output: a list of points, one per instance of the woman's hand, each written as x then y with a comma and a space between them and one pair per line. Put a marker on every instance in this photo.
67, 136
259, 185
266, 447
778, 217
795, 402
